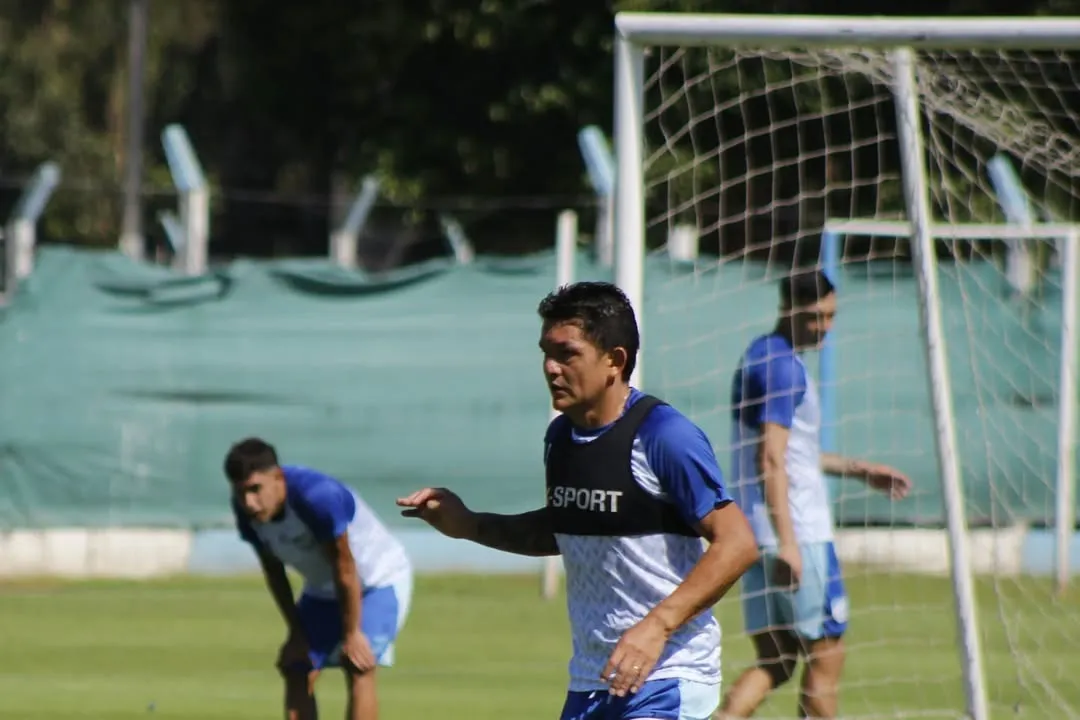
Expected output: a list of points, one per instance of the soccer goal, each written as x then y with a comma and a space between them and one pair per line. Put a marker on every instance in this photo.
874, 149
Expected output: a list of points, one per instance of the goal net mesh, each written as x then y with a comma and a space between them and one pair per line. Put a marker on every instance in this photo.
758, 153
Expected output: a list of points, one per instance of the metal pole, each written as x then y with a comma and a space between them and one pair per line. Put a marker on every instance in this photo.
1065, 513
628, 221
131, 236
917, 197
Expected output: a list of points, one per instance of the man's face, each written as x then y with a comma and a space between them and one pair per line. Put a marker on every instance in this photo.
812, 323
262, 494
577, 372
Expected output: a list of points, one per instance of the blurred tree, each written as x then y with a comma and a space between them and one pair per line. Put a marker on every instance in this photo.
441, 97
62, 95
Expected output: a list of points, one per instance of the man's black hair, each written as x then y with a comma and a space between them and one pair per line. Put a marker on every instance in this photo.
805, 287
604, 314
248, 457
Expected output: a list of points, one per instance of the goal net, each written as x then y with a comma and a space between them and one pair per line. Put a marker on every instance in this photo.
759, 160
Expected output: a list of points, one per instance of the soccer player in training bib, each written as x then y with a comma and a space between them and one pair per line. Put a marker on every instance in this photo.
357, 577
794, 601
632, 487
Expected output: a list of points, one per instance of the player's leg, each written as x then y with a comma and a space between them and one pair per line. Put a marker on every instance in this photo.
776, 649
777, 653
300, 694
819, 696
382, 616
820, 609
363, 697
320, 620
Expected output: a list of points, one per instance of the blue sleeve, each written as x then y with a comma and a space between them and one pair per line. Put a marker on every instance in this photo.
243, 525
773, 386
683, 460
325, 505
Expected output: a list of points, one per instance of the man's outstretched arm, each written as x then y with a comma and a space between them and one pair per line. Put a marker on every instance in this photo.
835, 464
880, 477
842, 465
528, 534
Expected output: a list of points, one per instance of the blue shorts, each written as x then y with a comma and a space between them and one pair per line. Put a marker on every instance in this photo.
382, 613
657, 700
817, 609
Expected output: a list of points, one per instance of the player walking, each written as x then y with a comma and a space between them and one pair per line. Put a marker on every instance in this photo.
357, 577
794, 600
632, 487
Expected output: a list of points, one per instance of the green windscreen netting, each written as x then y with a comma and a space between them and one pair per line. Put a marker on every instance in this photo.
123, 385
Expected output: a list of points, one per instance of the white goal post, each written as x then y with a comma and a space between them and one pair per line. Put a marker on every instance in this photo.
929, 67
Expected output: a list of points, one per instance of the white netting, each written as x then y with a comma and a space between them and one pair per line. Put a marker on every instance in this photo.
757, 151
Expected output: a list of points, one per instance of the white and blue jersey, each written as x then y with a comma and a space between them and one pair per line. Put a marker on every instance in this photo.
613, 582
772, 385
318, 510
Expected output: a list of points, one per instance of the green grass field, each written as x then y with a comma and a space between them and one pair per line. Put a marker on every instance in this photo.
481, 647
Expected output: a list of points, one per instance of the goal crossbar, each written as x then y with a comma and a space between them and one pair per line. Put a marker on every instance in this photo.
778, 31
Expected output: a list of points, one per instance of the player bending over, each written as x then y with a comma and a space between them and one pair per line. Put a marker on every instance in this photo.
793, 598
357, 577
632, 487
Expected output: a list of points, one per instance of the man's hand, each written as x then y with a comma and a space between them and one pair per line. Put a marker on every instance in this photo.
356, 652
888, 480
788, 569
293, 653
634, 656
441, 509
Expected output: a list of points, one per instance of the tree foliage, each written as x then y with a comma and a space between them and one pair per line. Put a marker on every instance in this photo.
440, 97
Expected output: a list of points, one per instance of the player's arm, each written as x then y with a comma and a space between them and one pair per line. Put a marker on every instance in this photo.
844, 466
525, 534
732, 550
835, 464
775, 388
879, 477
528, 534
683, 460
327, 508
772, 469
277, 582
346, 579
